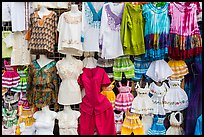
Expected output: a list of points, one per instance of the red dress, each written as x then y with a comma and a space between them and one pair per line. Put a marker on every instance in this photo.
96, 110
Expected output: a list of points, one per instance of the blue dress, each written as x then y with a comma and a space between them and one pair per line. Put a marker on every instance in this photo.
157, 127
157, 26
198, 128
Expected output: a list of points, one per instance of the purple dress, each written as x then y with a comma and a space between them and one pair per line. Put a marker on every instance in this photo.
194, 109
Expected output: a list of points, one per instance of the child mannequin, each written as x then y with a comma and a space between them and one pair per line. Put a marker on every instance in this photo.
43, 60
68, 121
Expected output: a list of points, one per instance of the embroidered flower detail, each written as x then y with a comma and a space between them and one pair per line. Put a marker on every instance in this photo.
72, 20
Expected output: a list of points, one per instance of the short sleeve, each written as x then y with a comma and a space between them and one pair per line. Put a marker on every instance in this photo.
9, 40
170, 8
105, 79
80, 82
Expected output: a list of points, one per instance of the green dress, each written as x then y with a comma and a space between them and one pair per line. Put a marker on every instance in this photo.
6, 52
132, 30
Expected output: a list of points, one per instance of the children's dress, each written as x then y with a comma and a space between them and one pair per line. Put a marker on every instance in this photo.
10, 78
123, 64
157, 127
142, 103
124, 99
176, 98
22, 85
159, 70
132, 123
118, 122
184, 31
175, 128
9, 117
141, 67
108, 92
179, 68
158, 93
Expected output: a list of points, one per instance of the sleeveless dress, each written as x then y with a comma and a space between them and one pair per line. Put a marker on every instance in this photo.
157, 98
157, 127
108, 92
176, 98
132, 123
142, 103
118, 122
124, 99
175, 128
10, 78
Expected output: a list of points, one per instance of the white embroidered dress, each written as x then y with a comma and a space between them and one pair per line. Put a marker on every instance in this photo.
69, 27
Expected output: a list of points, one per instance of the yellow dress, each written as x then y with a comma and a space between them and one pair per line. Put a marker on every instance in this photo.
132, 123
179, 68
108, 92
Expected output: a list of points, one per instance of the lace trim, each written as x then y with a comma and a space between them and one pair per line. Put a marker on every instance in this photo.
72, 20
89, 17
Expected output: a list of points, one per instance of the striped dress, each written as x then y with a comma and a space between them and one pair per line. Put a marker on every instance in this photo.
23, 81
10, 78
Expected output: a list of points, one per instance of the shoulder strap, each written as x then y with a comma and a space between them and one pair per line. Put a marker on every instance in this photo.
180, 117
128, 83
146, 86
112, 82
137, 85
120, 84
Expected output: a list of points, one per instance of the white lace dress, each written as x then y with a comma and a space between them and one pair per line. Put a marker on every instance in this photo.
69, 71
68, 122
118, 122
69, 27
175, 128
176, 98
142, 103
158, 93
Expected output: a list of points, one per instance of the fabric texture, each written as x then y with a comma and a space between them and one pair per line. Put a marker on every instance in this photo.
6, 51
157, 127
42, 88
118, 122
43, 33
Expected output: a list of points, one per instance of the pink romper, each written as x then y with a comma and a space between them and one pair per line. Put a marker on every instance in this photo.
96, 110
10, 78
124, 99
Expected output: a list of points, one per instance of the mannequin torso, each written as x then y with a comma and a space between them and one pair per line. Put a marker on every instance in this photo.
43, 12
74, 10
43, 60
90, 62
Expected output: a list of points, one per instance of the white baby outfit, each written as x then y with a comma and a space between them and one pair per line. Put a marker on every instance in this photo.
157, 98
118, 122
176, 98
175, 128
69, 71
159, 70
44, 124
142, 103
69, 27
68, 122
